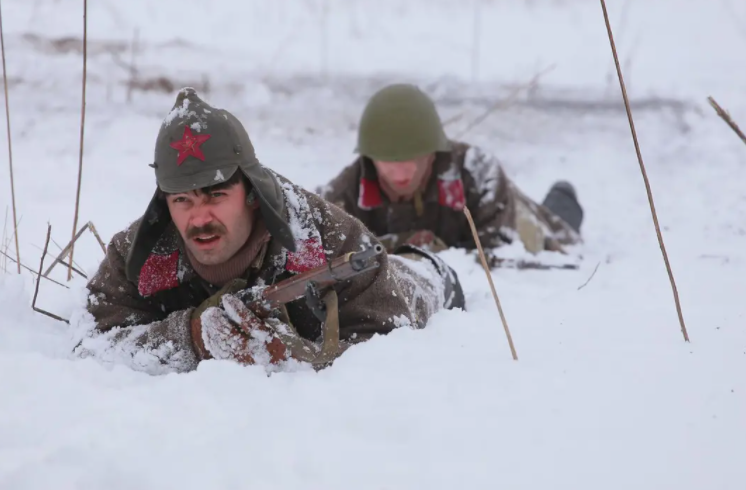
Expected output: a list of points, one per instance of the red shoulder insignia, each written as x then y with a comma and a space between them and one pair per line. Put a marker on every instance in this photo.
451, 194
369, 195
309, 254
159, 273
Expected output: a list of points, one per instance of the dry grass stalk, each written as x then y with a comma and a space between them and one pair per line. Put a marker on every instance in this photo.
66, 251
6, 243
98, 238
726, 117
38, 281
10, 148
8, 257
82, 130
589, 279
59, 247
75, 269
644, 173
489, 278
502, 103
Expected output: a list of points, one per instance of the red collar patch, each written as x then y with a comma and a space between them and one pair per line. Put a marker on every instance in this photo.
189, 145
309, 255
369, 196
451, 194
159, 273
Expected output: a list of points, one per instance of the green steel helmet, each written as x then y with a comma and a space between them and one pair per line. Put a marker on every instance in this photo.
400, 123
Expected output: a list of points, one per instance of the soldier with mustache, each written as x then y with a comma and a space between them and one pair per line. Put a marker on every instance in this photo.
167, 295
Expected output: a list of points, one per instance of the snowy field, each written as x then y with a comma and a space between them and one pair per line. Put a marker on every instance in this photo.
605, 395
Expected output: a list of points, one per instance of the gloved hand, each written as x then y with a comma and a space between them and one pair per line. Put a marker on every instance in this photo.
224, 328
232, 331
427, 240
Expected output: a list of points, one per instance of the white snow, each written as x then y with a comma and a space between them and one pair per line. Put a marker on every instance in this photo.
605, 395
485, 170
181, 112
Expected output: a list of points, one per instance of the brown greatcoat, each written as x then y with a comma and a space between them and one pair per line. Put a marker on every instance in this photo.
146, 325
465, 176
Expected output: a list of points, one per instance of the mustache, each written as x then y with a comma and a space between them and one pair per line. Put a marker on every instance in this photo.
208, 229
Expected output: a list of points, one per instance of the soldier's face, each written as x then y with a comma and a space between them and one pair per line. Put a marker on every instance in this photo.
405, 177
215, 225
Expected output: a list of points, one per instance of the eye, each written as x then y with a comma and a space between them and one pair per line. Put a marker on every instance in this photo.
217, 194
179, 199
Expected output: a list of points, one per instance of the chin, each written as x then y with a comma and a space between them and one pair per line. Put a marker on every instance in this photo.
208, 258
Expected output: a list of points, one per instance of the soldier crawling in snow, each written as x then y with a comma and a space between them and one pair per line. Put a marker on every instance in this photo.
411, 183
165, 296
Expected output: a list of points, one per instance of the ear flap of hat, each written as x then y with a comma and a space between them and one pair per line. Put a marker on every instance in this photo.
152, 225
271, 203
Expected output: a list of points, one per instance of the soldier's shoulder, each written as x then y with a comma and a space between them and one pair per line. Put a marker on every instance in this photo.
459, 148
332, 218
123, 239
476, 161
310, 214
323, 209
302, 203
341, 183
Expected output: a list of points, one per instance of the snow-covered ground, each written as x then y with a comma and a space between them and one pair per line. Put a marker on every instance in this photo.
605, 394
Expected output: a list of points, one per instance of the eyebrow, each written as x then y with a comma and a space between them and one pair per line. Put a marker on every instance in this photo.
218, 187
205, 190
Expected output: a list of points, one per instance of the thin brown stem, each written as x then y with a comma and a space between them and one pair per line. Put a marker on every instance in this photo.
5, 241
726, 117
489, 279
10, 147
59, 247
98, 237
82, 131
38, 280
66, 251
644, 174
75, 269
8, 257
502, 103
589, 279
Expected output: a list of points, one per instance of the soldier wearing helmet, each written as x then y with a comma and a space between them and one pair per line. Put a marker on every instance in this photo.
165, 296
410, 184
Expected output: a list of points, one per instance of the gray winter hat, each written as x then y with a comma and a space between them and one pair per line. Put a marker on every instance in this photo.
200, 146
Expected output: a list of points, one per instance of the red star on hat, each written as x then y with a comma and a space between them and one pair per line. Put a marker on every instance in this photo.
189, 145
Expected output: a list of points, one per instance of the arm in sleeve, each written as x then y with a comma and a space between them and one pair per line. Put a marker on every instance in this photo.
130, 329
490, 198
342, 190
373, 302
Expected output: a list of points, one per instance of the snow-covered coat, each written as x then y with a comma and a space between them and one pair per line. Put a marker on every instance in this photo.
146, 325
465, 176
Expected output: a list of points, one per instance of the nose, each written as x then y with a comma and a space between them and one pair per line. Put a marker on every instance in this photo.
201, 215
402, 172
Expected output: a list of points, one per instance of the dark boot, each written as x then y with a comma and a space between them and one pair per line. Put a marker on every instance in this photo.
454, 294
562, 201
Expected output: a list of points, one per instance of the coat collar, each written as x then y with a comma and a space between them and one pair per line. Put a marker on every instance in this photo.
445, 185
167, 265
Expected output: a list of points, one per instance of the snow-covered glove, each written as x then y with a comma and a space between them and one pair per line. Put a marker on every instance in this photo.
233, 332
223, 327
